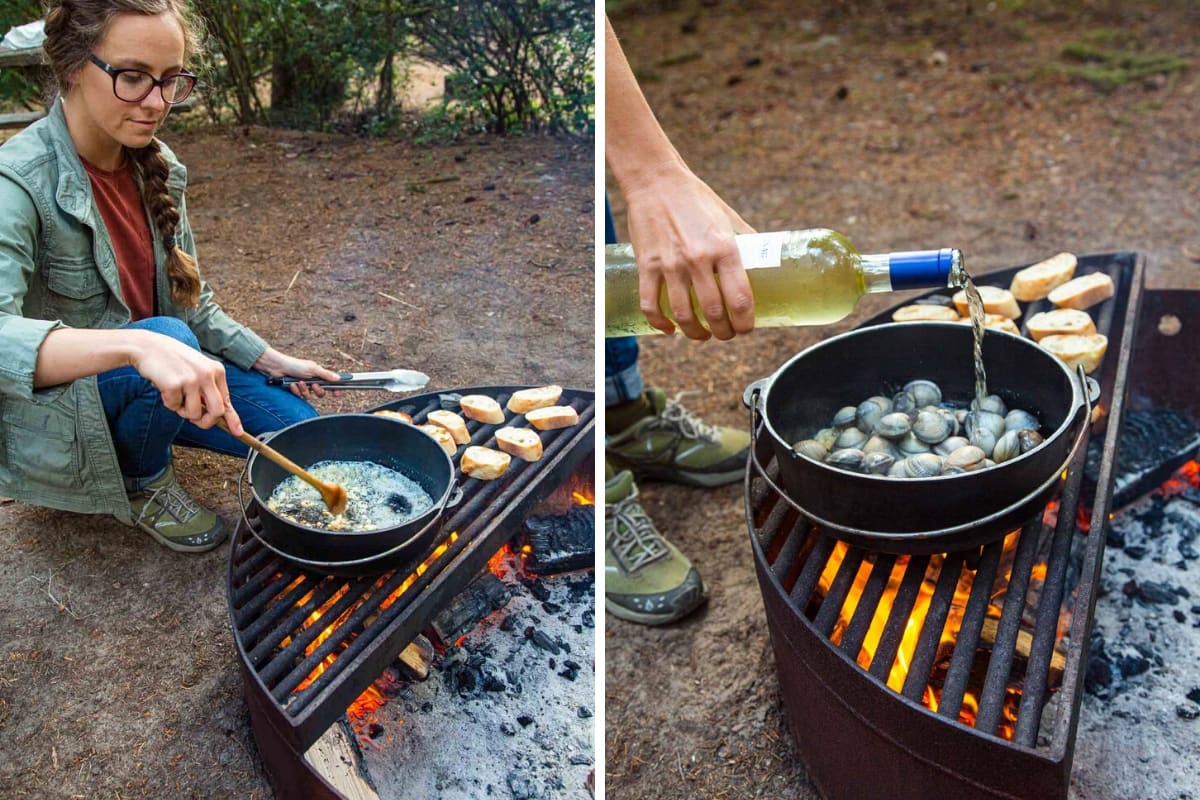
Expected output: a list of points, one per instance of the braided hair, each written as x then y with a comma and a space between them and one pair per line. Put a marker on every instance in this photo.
73, 28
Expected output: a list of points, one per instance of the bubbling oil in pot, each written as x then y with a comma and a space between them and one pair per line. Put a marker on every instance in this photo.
377, 497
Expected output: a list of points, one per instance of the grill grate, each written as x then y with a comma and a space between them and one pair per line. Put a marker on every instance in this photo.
289, 623
978, 639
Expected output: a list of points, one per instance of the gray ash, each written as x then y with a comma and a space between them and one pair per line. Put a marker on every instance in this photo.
505, 710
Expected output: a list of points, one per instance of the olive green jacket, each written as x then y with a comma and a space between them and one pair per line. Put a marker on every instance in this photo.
57, 269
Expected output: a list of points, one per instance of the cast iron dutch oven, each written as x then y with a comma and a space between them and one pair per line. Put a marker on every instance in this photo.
923, 515
353, 437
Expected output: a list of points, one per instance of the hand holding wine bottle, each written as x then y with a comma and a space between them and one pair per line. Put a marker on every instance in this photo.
683, 234
681, 230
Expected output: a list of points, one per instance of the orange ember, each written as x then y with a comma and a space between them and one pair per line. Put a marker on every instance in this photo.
496, 563
1185, 478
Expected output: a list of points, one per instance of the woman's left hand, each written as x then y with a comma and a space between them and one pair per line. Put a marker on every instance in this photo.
280, 365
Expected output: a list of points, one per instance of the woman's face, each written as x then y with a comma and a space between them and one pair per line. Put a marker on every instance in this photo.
153, 44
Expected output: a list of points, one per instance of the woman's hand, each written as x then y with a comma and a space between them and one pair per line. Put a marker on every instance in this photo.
280, 365
682, 231
191, 384
682, 235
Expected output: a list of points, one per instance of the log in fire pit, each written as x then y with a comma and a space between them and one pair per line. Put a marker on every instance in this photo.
310, 644
955, 674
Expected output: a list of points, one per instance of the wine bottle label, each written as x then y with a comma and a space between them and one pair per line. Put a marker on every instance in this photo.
759, 250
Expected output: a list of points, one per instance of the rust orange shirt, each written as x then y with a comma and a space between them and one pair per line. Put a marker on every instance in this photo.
120, 203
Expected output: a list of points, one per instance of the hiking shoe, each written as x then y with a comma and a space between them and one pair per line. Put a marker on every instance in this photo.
166, 512
671, 444
646, 578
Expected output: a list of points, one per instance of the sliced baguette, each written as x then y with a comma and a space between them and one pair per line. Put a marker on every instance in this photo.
520, 442
441, 436
1075, 350
484, 463
995, 301
400, 415
925, 312
551, 417
1036, 281
453, 423
1060, 322
996, 321
1083, 292
527, 400
482, 408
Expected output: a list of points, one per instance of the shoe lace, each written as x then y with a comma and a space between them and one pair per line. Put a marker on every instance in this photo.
632, 537
675, 417
172, 500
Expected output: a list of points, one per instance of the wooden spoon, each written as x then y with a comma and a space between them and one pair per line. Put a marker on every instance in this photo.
333, 494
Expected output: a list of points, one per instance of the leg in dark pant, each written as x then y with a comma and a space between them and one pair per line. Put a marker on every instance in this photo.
143, 429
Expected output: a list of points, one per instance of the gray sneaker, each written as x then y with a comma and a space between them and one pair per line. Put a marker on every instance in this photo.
646, 578
166, 512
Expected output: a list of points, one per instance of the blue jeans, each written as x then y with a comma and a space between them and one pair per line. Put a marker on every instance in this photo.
143, 429
622, 376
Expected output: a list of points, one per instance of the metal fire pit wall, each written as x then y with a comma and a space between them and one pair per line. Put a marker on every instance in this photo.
860, 738
272, 601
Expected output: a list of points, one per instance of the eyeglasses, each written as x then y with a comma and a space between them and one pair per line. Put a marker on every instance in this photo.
133, 85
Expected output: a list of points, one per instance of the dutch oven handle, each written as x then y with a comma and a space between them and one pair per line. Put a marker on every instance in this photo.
750, 399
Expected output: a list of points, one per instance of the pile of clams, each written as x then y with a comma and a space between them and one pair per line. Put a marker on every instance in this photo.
916, 433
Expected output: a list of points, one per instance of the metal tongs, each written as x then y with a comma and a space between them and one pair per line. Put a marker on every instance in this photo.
393, 380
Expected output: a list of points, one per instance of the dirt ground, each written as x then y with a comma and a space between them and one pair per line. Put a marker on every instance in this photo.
472, 262
904, 125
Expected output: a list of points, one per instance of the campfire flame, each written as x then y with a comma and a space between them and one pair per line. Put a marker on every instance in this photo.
949, 634
318, 616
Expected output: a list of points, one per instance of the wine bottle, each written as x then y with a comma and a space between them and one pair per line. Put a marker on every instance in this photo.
809, 277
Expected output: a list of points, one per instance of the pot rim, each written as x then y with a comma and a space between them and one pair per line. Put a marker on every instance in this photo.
764, 386
440, 504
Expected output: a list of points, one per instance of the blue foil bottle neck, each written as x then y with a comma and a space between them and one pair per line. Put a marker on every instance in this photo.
922, 269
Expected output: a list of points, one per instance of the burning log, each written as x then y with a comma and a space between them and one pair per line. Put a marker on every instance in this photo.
1154, 443
482, 596
561, 542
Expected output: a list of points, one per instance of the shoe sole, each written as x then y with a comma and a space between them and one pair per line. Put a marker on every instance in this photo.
703, 480
649, 619
184, 548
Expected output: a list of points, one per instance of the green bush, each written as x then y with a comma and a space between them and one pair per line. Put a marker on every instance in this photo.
19, 88
519, 65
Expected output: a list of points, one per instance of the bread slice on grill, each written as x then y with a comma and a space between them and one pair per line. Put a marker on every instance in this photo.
996, 321
924, 312
1074, 350
441, 436
451, 422
551, 417
484, 463
1083, 292
482, 408
400, 415
1061, 322
520, 442
527, 400
995, 301
1038, 280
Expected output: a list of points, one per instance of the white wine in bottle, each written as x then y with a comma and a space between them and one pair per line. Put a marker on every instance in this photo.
810, 277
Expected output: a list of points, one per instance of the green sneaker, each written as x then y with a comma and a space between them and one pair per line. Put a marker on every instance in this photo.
166, 512
646, 578
671, 444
